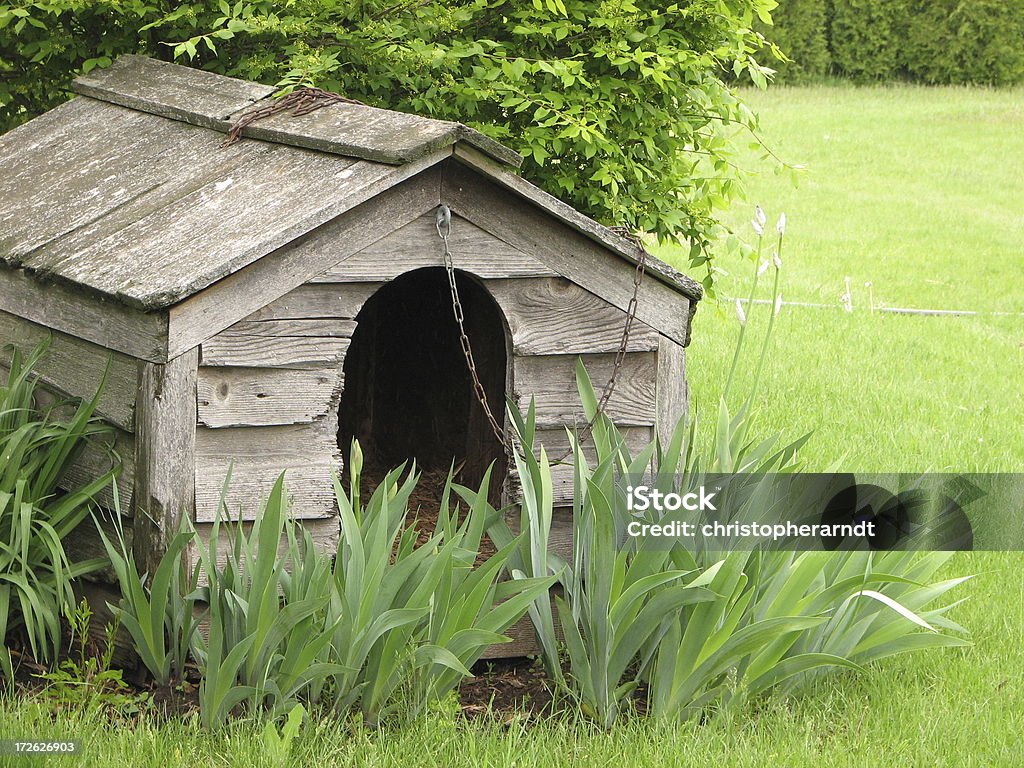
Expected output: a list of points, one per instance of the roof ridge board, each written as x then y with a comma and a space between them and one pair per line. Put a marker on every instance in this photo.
181, 93
213, 101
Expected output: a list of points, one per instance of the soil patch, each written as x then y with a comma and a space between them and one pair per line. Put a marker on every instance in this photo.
424, 503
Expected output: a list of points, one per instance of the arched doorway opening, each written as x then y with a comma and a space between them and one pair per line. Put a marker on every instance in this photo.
408, 392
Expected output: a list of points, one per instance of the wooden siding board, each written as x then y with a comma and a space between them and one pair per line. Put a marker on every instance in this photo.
239, 397
256, 456
100, 455
85, 543
301, 352
316, 327
417, 245
106, 323
318, 301
551, 379
551, 316
75, 368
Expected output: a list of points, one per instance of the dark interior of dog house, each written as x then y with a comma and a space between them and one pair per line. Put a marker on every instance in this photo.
408, 390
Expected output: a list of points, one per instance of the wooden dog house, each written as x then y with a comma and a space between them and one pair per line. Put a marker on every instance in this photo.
256, 305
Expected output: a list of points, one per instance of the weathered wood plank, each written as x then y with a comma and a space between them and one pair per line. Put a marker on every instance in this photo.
308, 483
213, 101
551, 379
384, 136
75, 368
74, 172
374, 212
239, 397
323, 327
171, 90
292, 441
356, 130
85, 543
598, 268
215, 219
216, 226
673, 390
321, 300
256, 456
417, 245
554, 316
300, 352
85, 316
164, 454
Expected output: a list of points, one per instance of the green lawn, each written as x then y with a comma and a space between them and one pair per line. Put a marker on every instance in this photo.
922, 193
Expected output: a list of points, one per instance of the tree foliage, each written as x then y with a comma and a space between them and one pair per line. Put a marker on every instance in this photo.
927, 41
619, 106
800, 29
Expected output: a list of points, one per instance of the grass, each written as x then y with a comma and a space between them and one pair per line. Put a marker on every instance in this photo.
919, 191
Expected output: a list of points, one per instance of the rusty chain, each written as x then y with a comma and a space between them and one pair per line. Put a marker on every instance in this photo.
300, 102
443, 222
444, 228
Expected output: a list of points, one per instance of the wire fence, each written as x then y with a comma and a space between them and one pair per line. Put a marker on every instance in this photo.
871, 308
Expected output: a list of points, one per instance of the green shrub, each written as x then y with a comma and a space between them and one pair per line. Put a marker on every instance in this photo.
949, 41
935, 42
37, 446
385, 625
800, 29
867, 38
266, 633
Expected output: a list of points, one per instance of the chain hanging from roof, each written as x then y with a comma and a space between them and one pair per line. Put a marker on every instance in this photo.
298, 102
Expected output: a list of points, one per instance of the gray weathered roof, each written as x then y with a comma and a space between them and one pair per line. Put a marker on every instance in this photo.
108, 193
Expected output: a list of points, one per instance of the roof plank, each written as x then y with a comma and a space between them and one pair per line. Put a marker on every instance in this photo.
78, 163
150, 211
226, 222
171, 90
